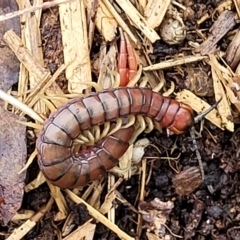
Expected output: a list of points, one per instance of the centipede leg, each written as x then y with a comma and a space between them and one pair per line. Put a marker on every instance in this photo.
132, 60
127, 62
122, 61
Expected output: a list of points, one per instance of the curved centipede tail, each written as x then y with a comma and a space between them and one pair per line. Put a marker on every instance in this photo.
64, 169
105, 156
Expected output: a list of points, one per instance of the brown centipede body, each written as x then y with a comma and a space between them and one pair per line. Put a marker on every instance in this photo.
65, 168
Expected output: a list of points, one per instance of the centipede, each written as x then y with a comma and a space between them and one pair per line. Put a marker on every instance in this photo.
66, 168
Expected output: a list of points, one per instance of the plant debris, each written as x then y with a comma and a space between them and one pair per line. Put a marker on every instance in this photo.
155, 214
13, 154
9, 65
187, 50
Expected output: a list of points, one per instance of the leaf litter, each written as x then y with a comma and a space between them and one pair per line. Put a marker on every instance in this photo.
42, 89
13, 154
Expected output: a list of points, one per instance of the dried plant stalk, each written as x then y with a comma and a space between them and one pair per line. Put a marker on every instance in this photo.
31, 63
24, 56
142, 3
155, 12
108, 203
222, 80
233, 51
19, 105
59, 199
223, 108
175, 62
120, 21
32, 9
107, 61
105, 22
86, 231
237, 5
75, 45
225, 22
21, 231
32, 38
98, 216
138, 20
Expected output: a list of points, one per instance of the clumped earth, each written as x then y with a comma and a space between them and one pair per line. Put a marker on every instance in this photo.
211, 211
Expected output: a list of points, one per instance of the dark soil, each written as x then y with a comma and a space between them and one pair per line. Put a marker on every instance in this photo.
211, 211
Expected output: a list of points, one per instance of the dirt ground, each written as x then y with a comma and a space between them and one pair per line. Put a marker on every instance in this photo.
172, 201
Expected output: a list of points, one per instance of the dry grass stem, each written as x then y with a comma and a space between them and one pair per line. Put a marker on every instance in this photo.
223, 107
32, 38
237, 6
174, 62
142, 3
142, 194
43, 87
33, 9
89, 190
222, 80
111, 213
24, 215
104, 20
32, 64
94, 200
18, 104
39, 180
107, 62
98, 216
86, 231
121, 199
20, 232
138, 20
29, 162
75, 42
155, 12
120, 21
107, 204
59, 199
23, 54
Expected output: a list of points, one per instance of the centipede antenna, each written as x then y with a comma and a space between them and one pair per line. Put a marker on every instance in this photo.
192, 133
199, 117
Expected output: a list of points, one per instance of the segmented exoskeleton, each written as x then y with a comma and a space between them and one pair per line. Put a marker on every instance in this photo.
65, 168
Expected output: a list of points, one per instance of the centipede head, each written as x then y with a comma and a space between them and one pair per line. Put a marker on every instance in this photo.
183, 119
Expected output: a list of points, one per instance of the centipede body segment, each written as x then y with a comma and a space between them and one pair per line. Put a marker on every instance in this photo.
65, 168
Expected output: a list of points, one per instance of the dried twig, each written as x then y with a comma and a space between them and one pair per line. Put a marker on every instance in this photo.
20, 232
120, 21
33, 9
99, 216
155, 12
75, 42
138, 20
175, 62
30, 62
